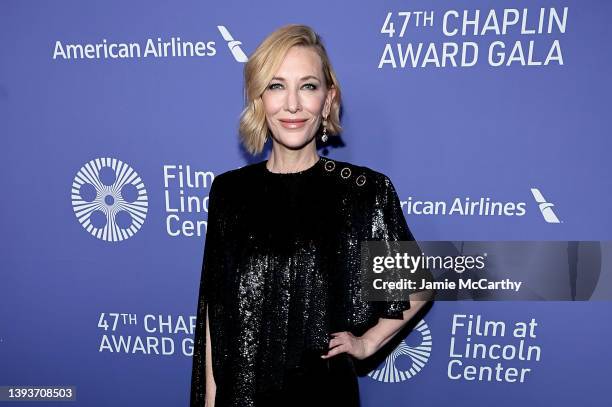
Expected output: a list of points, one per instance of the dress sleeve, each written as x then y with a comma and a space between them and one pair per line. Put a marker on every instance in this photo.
210, 265
395, 228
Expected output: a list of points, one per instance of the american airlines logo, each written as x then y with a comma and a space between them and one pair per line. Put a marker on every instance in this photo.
464, 207
545, 207
233, 45
157, 46
482, 206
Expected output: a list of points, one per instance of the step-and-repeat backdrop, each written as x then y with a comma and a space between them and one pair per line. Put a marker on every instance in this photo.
115, 117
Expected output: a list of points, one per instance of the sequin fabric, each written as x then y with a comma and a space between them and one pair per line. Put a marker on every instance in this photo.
281, 271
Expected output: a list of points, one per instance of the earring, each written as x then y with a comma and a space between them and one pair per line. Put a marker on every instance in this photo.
324, 135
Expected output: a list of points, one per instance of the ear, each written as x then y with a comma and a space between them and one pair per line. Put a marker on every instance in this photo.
331, 94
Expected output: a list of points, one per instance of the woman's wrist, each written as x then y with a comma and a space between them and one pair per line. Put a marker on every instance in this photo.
371, 343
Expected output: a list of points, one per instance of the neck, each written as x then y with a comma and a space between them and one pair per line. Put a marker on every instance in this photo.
285, 160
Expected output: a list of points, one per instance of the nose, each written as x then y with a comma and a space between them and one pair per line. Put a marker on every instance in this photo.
293, 101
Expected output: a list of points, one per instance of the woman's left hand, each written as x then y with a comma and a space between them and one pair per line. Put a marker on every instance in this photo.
359, 347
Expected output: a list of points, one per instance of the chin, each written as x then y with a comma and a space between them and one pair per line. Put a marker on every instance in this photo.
294, 142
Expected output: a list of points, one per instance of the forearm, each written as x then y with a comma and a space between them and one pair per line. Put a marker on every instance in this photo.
211, 386
386, 328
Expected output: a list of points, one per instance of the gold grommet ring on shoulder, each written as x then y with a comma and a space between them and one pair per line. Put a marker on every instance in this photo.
360, 180
347, 171
330, 165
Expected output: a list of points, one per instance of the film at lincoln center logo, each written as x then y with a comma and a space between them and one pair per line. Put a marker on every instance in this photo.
109, 199
393, 369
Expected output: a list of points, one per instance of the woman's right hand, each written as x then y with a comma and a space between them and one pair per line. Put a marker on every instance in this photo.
211, 386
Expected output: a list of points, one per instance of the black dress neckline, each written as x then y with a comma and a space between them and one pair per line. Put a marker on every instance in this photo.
305, 171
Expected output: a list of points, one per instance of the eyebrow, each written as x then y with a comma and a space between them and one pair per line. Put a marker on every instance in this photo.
278, 78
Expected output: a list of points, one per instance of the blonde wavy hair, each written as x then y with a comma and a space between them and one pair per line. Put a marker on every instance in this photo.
259, 71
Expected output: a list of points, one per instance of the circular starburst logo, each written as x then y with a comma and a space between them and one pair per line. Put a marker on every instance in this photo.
109, 199
405, 361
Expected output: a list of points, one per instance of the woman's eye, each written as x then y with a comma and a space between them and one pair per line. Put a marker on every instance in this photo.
309, 85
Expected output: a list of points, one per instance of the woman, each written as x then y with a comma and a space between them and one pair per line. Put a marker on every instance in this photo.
280, 310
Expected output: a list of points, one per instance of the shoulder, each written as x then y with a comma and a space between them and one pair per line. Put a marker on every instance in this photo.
357, 175
235, 177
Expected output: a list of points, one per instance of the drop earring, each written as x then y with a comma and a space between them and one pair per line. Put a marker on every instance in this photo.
324, 135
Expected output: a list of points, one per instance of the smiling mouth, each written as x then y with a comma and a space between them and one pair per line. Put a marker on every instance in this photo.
293, 124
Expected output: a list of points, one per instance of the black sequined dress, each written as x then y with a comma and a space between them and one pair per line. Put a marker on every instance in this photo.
281, 272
